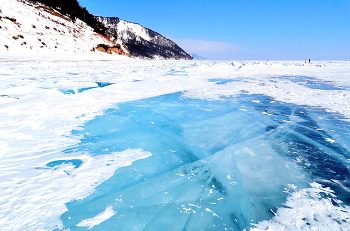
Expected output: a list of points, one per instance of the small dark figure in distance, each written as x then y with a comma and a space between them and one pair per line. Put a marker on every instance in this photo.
309, 60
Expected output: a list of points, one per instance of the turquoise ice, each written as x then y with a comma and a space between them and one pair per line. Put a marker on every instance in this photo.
215, 165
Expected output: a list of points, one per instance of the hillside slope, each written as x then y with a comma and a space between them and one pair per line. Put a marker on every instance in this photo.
143, 42
37, 29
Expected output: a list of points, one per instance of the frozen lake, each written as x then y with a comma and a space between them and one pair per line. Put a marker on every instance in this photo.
174, 145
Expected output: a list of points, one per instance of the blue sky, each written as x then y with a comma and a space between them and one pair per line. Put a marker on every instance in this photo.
250, 29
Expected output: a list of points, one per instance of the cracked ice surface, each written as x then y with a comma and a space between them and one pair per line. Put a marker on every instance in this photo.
174, 145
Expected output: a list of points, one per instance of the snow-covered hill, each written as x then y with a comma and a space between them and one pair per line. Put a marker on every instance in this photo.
31, 30
143, 42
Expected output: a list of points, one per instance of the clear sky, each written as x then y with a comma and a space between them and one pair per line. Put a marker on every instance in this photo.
246, 29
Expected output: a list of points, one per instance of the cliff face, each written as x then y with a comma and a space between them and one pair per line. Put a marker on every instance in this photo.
33, 28
143, 42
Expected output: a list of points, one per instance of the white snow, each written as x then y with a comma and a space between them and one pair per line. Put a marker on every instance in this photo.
105, 215
307, 210
258, 77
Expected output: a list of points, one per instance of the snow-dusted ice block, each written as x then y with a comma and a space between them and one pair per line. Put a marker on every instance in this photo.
75, 162
222, 81
174, 72
215, 165
73, 91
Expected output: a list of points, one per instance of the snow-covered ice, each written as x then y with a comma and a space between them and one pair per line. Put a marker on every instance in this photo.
174, 145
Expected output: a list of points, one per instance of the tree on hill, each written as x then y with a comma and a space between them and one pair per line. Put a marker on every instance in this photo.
74, 10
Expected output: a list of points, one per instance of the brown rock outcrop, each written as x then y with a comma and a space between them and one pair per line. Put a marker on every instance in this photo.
53, 12
114, 49
117, 49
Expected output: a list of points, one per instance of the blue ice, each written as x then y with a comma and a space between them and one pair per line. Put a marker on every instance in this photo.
72, 92
215, 165
177, 73
312, 82
222, 81
75, 162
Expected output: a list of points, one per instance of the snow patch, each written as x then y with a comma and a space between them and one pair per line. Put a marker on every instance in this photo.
308, 209
98, 219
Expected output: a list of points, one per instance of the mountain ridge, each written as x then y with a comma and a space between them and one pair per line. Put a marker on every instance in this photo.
197, 57
143, 42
